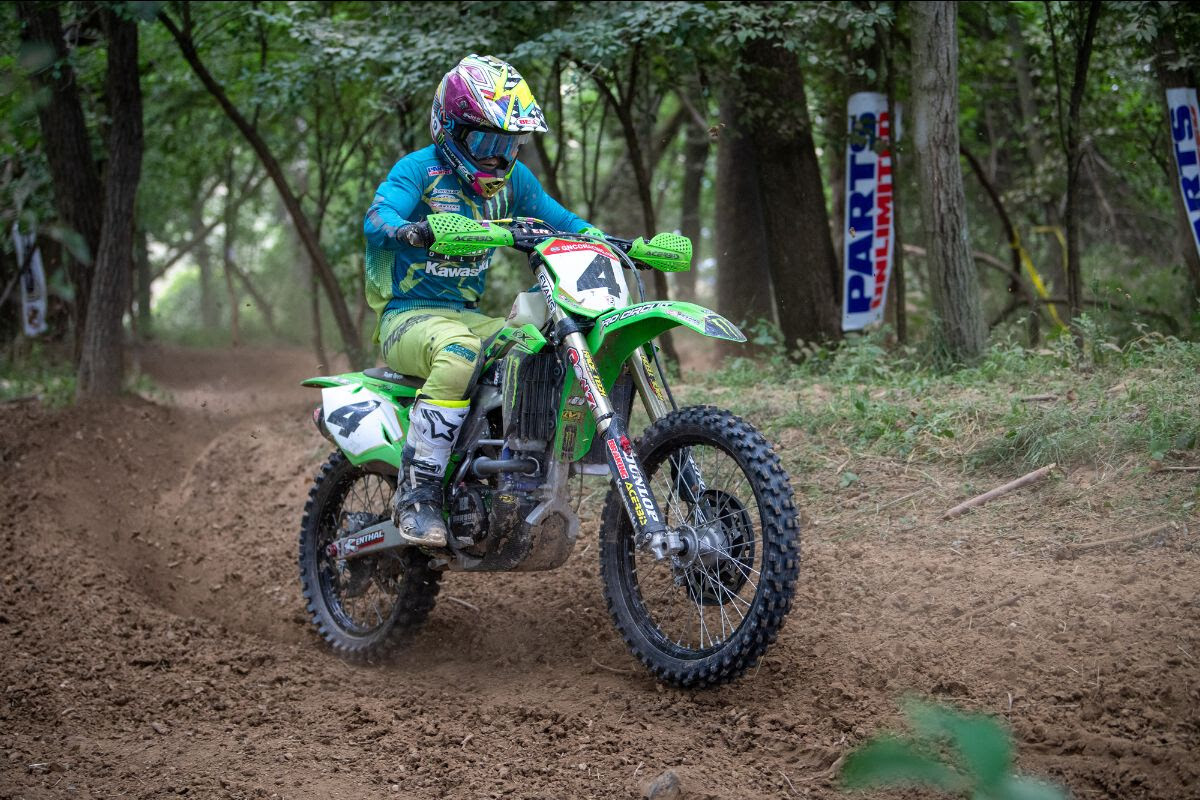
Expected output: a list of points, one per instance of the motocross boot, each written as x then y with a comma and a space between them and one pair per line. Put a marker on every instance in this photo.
417, 507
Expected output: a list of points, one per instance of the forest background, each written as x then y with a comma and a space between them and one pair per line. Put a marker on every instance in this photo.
197, 175
198, 172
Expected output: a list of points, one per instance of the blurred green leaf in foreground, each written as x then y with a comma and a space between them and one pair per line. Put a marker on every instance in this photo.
963, 755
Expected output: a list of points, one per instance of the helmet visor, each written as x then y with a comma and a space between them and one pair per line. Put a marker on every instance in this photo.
491, 144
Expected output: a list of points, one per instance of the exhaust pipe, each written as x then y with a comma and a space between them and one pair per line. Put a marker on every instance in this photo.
482, 466
319, 421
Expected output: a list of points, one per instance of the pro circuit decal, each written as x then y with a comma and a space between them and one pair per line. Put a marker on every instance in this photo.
651, 379
432, 171
636, 311
586, 376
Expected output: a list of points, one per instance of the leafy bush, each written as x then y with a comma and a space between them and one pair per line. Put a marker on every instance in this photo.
1066, 402
964, 755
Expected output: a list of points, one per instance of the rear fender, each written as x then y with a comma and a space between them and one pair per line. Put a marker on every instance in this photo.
365, 417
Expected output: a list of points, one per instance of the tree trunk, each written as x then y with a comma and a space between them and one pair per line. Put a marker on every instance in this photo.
73, 170
1015, 284
101, 358
321, 266
230, 220
202, 253
318, 334
954, 285
1166, 50
643, 171
267, 311
1083, 55
141, 256
695, 157
800, 256
743, 281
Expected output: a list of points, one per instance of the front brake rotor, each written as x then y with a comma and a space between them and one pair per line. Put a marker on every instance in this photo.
727, 550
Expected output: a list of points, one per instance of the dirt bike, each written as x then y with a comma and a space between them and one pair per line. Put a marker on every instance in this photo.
699, 536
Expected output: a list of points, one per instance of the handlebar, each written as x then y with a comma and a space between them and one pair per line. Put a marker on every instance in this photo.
453, 234
527, 233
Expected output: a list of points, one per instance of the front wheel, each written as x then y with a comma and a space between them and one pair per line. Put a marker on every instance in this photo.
703, 618
365, 607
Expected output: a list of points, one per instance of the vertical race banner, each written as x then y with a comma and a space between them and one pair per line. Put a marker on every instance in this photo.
33, 282
1184, 134
867, 232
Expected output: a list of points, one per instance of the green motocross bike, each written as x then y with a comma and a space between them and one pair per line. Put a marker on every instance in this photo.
699, 536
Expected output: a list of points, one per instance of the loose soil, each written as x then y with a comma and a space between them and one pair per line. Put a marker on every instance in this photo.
153, 640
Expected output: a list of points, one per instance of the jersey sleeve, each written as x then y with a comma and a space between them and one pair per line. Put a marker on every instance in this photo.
532, 201
396, 200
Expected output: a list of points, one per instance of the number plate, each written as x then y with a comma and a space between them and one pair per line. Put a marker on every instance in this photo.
589, 275
358, 419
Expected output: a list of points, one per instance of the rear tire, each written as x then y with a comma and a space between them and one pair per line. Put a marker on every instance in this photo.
741, 574
364, 608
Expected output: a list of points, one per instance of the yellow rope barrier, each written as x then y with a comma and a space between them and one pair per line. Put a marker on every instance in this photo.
1035, 278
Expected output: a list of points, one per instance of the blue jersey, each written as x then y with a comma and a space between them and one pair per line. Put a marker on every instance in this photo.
401, 277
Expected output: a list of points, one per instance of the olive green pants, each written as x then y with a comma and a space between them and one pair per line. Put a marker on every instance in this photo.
438, 344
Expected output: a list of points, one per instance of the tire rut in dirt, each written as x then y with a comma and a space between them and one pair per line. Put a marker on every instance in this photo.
343, 499
740, 568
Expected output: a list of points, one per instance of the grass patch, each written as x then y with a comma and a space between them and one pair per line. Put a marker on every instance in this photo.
38, 373
46, 374
1104, 402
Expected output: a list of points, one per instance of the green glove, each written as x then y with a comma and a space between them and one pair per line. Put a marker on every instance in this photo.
592, 230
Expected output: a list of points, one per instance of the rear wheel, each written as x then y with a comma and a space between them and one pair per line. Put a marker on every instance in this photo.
705, 617
364, 607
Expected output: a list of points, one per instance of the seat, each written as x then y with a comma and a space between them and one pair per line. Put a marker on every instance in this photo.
385, 374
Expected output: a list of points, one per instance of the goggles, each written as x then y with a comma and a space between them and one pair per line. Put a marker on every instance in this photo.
489, 144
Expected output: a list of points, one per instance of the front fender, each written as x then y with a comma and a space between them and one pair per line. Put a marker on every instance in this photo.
618, 333
613, 340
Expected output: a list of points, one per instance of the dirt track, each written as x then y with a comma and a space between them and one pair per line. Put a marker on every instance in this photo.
152, 640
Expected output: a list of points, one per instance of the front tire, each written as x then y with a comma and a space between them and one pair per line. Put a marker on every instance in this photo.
363, 608
705, 618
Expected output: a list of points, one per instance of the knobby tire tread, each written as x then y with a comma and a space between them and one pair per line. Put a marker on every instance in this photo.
419, 585
780, 538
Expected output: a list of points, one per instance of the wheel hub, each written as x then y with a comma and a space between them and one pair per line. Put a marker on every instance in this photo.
720, 551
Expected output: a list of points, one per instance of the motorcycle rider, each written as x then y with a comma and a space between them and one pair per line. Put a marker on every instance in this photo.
483, 111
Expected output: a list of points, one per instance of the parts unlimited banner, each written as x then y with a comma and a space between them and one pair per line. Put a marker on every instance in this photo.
868, 235
1184, 134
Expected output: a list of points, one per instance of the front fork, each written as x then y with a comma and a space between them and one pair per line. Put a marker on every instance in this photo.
640, 504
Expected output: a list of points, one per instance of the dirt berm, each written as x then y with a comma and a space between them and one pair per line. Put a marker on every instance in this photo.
152, 639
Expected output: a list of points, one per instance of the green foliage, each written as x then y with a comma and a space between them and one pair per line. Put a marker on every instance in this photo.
340, 90
38, 372
965, 755
1106, 401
